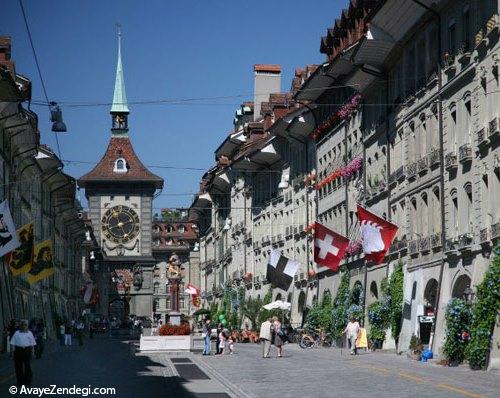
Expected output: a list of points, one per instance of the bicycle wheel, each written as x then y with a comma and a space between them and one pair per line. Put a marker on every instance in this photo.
306, 342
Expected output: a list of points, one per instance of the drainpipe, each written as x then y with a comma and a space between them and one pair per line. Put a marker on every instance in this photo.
441, 167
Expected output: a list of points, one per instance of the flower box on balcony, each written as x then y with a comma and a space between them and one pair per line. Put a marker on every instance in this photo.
413, 247
465, 153
433, 157
451, 161
451, 245
495, 230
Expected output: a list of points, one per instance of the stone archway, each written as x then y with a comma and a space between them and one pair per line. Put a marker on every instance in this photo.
430, 293
278, 297
461, 283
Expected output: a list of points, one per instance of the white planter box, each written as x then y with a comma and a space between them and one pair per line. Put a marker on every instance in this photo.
165, 343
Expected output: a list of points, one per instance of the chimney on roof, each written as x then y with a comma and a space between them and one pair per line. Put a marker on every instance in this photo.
267, 80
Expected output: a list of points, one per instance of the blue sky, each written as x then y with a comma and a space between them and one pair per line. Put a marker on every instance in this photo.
171, 50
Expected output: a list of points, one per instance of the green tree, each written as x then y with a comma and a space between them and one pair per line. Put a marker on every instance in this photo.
395, 292
251, 308
341, 305
484, 312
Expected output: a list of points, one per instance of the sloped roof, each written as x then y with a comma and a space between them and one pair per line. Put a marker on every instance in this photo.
120, 147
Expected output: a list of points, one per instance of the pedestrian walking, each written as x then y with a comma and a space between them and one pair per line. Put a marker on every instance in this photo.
230, 345
79, 331
22, 343
265, 337
62, 331
206, 336
278, 336
68, 333
222, 342
217, 342
40, 337
352, 332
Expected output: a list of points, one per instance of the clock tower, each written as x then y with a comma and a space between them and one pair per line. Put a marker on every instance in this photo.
120, 191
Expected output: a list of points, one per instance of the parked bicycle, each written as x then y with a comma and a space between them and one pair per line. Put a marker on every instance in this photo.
315, 338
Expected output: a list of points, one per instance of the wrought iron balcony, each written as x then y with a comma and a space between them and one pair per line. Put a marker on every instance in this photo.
434, 157
436, 240
465, 241
484, 235
495, 230
422, 165
451, 245
465, 153
424, 245
493, 127
396, 175
451, 161
413, 247
411, 170
482, 139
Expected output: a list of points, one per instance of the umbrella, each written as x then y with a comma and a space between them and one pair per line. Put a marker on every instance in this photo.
278, 304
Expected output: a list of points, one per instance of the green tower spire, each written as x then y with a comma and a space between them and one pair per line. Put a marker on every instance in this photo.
120, 96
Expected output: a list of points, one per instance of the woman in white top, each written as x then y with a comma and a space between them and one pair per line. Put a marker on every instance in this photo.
352, 332
23, 343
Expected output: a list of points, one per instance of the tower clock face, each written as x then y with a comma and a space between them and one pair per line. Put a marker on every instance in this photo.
120, 224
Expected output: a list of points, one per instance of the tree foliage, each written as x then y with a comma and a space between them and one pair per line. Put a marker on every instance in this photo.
458, 317
485, 310
341, 305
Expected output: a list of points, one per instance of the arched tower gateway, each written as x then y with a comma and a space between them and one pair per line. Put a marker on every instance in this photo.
120, 192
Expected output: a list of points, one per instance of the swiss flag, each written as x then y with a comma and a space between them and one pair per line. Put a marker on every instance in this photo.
377, 235
329, 247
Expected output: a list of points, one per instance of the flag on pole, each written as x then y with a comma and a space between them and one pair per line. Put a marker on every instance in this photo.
8, 237
329, 247
191, 290
43, 263
281, 270
21, 258
377, 235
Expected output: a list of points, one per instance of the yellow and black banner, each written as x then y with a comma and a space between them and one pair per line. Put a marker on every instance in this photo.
43, 262
21, 258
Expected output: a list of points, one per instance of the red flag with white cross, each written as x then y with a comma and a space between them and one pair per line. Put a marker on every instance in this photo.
377, 235
329, 247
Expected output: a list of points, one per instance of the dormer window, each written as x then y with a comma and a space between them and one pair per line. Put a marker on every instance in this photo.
120, 166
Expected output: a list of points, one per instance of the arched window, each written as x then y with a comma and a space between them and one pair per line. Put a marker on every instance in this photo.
468, 208
374, 290
462, 283
452, 127
454, 211
120, 166
467, 116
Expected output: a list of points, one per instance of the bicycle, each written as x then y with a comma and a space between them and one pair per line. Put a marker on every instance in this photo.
315, 339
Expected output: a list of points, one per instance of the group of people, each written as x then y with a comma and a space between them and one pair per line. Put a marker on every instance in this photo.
69, 329
224, 342
272, 333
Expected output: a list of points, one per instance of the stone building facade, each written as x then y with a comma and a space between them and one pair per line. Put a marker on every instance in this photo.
39, 192
414, 90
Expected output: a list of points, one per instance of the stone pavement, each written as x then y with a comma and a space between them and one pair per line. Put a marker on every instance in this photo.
324, 372
112, 361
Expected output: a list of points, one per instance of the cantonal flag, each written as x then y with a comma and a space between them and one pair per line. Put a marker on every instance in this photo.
329, 247
377, 235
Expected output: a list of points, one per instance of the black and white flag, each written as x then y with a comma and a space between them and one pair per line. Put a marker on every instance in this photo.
281, 270
8, 237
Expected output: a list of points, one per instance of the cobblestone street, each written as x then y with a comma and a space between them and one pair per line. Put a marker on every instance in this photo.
109, 362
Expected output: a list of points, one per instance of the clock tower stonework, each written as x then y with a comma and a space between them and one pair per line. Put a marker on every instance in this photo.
120, 191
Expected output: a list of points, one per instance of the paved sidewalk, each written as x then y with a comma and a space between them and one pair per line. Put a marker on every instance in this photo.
334, 373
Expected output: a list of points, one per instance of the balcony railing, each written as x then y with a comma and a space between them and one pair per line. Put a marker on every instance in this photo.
436, 241
434, 157
411, 170
424, 245
396, 175
465, 153
465, 241
484, 235
451, 245
482, 139
493, 127
422, 165
451, 161
495, 230
413, 247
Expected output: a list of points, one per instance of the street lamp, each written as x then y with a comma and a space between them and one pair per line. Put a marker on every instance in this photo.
58, 125
468, 295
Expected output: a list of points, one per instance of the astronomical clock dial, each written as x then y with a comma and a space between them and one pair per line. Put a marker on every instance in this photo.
120, 224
